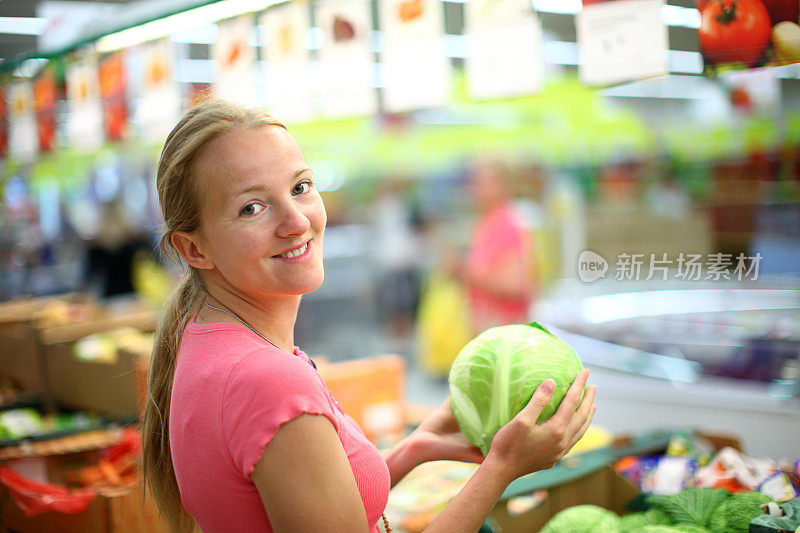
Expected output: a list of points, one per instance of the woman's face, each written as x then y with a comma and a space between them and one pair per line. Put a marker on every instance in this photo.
262, 219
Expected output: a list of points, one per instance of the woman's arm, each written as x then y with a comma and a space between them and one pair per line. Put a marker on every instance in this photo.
306, 483
305, 480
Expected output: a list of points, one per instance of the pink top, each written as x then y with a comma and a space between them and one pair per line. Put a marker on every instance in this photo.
498, 237
231, 393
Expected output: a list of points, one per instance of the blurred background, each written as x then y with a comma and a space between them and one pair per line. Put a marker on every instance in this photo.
609, 170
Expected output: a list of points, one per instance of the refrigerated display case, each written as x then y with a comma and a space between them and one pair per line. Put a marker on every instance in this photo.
722, 357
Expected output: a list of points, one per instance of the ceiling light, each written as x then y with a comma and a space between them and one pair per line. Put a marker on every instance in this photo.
23, 25
179, 22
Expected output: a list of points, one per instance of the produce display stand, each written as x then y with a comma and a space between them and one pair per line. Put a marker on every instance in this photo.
36, 353
586, 478
106, 388
19, 358
113, 510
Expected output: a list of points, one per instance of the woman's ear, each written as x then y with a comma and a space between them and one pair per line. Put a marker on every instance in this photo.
188, 246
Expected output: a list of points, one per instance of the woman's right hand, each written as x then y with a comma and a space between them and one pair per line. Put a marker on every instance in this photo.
522, 446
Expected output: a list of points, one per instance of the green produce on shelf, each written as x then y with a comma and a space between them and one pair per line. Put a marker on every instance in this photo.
690, 506
735, 513
635, 521
583, 519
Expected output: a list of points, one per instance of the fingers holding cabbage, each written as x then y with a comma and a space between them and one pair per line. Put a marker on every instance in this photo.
506, 386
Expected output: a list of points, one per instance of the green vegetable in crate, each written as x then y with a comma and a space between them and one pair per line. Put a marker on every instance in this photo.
583, 519
496, 373
677, 528
635, 521
690, 506
735, 513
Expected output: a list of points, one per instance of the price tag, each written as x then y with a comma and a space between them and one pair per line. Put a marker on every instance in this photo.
621, 41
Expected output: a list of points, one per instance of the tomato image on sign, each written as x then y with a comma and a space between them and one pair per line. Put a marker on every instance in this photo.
734, 30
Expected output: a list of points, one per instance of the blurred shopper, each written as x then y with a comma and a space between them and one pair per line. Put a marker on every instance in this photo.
395, 248
498, 272
240, 432
110, 259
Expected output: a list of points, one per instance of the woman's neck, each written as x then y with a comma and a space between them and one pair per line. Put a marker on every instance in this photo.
273, 318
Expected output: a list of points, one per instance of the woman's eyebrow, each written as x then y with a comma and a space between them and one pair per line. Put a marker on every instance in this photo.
261, 187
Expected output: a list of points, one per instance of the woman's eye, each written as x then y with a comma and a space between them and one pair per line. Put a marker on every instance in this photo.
251, 209
302, 187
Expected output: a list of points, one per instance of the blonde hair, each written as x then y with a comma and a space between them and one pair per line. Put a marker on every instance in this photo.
178, 194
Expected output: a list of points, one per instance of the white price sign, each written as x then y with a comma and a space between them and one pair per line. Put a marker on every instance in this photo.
621, 41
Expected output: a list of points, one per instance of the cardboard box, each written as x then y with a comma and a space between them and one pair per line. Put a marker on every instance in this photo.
370, 390
107, 388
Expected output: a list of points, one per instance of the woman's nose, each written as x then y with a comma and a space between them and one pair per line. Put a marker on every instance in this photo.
293, 220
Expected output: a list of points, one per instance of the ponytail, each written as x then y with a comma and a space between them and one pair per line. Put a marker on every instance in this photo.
157, 467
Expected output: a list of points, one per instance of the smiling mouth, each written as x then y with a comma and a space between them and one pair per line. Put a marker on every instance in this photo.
294, 253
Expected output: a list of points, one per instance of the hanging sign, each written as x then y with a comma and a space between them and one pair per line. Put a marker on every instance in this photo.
346, 62
416, 68
621, 41
234, 58
504, 43
85, 120
289, 83
3, 121
159, 108
112, 93
45, 91
738, 34
23, 139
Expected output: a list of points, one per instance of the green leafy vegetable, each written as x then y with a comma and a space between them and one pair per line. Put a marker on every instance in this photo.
653, 516
690, 506
677, 528
735, 513
496, 373
583, 519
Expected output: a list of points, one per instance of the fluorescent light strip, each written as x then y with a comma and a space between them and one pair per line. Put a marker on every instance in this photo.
180, 22
23, 25
677, 16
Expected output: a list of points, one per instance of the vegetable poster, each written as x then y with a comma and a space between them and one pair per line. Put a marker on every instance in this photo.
504, 43
23, 139
621, 41
112, 94
416, 68
159, 108
736, 34
45, 92
288, 65
85, 121
234, 58
346, 68
3, 122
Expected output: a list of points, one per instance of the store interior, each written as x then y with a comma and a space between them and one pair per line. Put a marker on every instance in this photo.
659, 198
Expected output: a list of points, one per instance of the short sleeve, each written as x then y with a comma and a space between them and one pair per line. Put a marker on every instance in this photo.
263, 391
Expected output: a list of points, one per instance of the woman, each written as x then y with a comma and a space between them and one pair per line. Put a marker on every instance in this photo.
497, 273
240, 433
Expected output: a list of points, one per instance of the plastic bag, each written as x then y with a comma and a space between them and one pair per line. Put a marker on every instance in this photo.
36, 498
443, 326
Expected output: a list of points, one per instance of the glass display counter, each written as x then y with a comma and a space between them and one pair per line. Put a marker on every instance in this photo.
721, 358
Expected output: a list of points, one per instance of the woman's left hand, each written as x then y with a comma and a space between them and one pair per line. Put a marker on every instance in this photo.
438, 435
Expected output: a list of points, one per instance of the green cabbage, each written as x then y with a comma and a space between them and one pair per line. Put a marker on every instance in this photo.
735, 513
677, 528
635, 521
583, 519
496, 373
